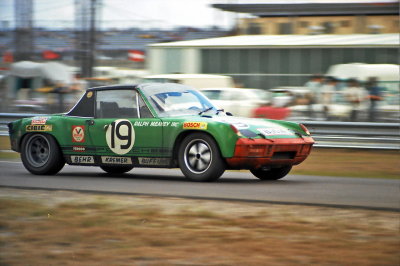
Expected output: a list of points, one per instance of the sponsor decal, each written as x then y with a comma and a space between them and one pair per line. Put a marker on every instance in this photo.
240, 125
79, 148
195, 125
153, 161
116, 160
39, 120
158, 124
89, 94
120, 136
82, 159
155, 124
274, 131
141, 124
78, 133
39, 128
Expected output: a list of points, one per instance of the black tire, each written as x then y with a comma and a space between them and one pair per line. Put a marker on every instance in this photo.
271, 174
200, 159
116, 169
41, 154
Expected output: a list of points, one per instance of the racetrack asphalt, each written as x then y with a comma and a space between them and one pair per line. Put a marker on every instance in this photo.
364, 193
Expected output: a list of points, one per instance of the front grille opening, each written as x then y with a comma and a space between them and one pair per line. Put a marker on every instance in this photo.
283, 155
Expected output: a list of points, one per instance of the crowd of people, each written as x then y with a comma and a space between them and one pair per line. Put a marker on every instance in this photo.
359, 96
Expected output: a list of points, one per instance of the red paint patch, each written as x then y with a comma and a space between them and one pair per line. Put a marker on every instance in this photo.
255, 153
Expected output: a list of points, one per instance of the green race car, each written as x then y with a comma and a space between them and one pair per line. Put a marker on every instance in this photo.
158, 125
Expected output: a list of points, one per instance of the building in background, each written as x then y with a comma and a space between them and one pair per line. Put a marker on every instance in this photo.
283, 43
267, 61
344, 17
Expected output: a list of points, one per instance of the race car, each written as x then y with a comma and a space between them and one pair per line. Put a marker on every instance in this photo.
162, 125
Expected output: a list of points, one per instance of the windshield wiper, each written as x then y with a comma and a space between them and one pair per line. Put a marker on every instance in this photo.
205, 110
220, 110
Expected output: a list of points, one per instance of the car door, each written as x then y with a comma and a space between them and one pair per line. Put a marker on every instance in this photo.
123, 130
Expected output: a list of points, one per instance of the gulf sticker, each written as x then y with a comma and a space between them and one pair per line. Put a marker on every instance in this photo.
195, 125
78, 133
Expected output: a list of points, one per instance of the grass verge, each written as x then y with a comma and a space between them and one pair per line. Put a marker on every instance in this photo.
351, 163
69, 228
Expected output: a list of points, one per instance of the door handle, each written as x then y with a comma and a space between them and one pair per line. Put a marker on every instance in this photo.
90, 122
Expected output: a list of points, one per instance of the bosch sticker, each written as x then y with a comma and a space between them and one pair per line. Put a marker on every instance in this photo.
120, 136
78, 133
195, 125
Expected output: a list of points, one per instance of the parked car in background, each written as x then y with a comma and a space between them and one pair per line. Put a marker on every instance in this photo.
197, 81
289, 95
238, 101
280, 100
297, 101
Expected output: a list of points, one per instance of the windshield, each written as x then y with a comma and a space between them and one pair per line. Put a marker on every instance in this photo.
174, 100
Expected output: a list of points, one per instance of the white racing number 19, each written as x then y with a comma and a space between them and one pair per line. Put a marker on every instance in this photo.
120, 136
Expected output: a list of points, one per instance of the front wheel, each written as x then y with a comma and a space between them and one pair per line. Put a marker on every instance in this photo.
41, 154
116, 169
271, 174
200, 159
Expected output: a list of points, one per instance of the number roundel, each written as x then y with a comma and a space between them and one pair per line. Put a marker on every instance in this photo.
120, 136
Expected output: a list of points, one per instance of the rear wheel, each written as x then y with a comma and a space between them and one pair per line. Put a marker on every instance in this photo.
200, 159
41, 154
116, 169
271, 174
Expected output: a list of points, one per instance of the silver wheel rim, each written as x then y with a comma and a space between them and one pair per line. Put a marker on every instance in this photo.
198, 156
37, 150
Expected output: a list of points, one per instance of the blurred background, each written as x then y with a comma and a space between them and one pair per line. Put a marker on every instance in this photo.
299, 60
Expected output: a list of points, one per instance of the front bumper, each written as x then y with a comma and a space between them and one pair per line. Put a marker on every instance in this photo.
13, 141
257, 153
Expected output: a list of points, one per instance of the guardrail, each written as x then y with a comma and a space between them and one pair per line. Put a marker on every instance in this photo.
6, 118
356, 135
328, 134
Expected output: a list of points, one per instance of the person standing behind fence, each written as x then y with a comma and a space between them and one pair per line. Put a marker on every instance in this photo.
314, 85
375, 95
327, 93
356, 96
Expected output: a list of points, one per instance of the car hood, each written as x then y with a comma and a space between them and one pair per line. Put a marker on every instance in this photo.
252, 127
255, 127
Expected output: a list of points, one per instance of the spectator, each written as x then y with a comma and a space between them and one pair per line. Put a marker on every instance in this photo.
375, 95
314, 85
327, 93
356, 96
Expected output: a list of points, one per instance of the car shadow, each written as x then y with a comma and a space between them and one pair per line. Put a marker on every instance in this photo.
178, 178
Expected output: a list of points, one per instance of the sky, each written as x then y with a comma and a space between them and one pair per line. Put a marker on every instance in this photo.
128, 13
142, 13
